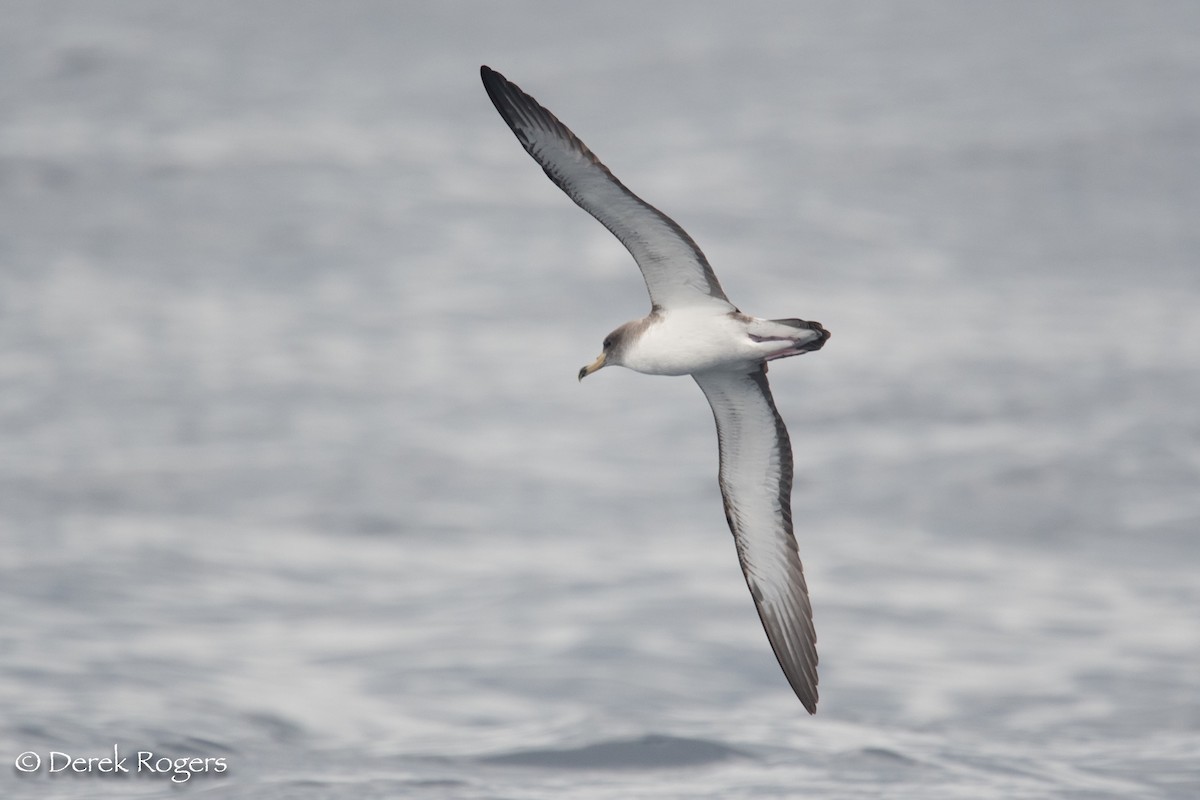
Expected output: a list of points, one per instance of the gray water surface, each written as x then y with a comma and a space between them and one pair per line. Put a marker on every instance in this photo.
295, 471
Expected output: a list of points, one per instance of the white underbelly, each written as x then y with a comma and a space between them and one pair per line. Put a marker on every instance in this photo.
683, 343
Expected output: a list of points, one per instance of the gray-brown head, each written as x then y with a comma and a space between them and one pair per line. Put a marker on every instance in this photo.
615, 346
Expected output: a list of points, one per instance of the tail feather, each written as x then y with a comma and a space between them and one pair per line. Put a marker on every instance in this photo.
804, 335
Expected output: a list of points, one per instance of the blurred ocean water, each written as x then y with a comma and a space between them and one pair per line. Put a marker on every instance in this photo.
295, 472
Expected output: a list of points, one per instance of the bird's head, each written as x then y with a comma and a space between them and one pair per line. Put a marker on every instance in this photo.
613, 353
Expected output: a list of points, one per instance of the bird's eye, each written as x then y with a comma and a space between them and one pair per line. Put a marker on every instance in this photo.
608, 343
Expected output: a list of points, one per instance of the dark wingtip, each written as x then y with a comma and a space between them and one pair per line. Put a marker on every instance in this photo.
500, 90
490, 77
493, 82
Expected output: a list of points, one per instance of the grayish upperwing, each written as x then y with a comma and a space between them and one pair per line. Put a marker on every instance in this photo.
676, 272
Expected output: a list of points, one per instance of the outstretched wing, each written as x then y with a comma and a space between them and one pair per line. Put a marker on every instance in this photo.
756, 485
676, 272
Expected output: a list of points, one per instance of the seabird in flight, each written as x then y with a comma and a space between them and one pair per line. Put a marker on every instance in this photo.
693, 329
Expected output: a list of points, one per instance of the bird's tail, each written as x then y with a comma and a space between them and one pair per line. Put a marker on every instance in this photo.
805, 336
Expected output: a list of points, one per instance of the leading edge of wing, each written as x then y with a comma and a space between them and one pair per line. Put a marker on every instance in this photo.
756, 486
675, 270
